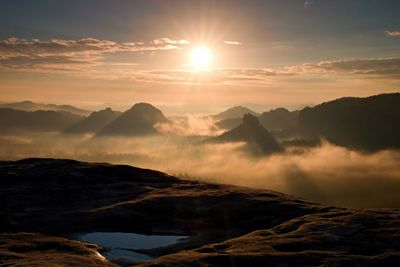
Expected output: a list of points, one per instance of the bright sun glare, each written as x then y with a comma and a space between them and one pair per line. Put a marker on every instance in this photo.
201, 58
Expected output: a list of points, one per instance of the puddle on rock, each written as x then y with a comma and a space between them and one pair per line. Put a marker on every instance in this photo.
119, 244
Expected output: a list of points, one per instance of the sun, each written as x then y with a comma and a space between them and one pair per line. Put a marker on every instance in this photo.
201, 58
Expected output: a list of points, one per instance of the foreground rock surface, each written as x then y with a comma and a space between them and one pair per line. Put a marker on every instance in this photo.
28, 249
348, 238
44, 201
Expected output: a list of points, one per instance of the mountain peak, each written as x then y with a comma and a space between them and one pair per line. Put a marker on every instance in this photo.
234, 112
258, 138
250, 120
103, 111
138, 120
143, 107
96, 121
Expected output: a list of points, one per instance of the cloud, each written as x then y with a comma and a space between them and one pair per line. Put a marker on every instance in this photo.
163, 41
189, 125
215, 76
85, 58
387, 67
50, 63
13, 47
70, 55
232, 42
392, 33
373, 68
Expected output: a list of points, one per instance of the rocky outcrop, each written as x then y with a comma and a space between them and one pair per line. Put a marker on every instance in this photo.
342, 238
257, 138
43, 202
28, 249
70, 196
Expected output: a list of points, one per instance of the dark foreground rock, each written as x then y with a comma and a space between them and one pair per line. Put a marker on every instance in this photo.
28, 249
347, 238
43, 202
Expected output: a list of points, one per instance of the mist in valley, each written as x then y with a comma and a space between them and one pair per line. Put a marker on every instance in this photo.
325, 173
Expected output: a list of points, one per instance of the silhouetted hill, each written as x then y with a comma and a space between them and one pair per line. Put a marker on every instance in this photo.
229, 124
95, 122
235, 112
17, 120
138, 120
370, 123
251, 132
31, 106
275, 119
279, 119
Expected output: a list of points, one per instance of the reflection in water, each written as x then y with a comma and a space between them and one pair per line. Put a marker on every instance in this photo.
119, 244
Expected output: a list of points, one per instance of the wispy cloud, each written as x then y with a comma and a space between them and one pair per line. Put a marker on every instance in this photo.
392, 33
164, 41
85, 57
22, 47
215, 76
372, 66
70, 55
232, 42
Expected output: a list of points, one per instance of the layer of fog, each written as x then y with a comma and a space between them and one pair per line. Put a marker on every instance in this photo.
189, 125
327, 174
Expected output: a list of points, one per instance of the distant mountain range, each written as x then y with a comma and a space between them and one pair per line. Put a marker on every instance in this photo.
137, 121
95, 122
279, 119
12, 120
371, 123
274, 120
255, 135
31, 106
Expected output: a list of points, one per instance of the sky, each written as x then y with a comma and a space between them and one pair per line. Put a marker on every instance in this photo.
262, 54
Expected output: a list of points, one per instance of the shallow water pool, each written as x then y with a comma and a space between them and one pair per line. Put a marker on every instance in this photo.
120, 244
